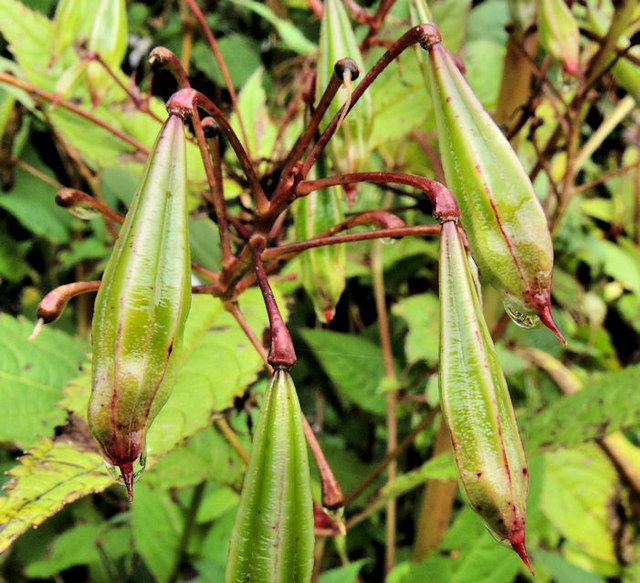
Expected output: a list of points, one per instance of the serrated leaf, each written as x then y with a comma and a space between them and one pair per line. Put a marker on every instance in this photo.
32, 376
422, 314
51, 475
352, 363
608, 403
580, 485
344, 574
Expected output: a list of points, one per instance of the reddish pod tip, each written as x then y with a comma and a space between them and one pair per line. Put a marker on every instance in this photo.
328, 316
517, 544
127, 475
547, 320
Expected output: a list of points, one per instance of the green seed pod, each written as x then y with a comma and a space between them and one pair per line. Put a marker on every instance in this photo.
141, 307
273, 535
476, 404
109, 40
322, 269
503, 219
559, 34
522, 13
350, 145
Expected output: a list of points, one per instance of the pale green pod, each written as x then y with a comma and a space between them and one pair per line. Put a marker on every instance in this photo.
109, 40
141, 307
506, 227
273, 535
523, 14
559, 33
476, 404
322, 269
349, 147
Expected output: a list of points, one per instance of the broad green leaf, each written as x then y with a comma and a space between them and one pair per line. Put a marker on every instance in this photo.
563, 570
580, 486
484, 61
353, 364
52, 474
452, 17
608, 403
291, 37
467, 554
206, 456
157, 525
75, 546
32, 202
204, 239
422, 314
32, 376
346, 574
261, 131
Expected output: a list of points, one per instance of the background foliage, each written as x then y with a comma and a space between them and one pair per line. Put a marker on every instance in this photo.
581, 442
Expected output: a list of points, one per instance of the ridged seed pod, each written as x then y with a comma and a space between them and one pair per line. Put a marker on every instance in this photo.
141, 307
476, 404
273, 535
506, 227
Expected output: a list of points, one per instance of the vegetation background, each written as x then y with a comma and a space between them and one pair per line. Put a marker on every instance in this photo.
578, 405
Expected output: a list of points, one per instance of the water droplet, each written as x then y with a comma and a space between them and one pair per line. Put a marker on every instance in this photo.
138, 468
522, 320
388, 240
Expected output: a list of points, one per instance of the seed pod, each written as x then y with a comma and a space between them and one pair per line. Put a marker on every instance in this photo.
141, 307
273, 535
109, 40
349, 146
322, 269
559, 34
476, 404
502, 217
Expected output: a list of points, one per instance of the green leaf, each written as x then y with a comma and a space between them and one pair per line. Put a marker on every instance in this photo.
75, 546
345, 574
32, 202
467, 554
608, 403
157, 525
291, 37
352, 363
580, 485
204, 238
252, 103
422, 314
564, 571
52, 474
32, 376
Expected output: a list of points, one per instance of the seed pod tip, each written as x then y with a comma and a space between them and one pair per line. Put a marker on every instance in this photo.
547, 320
126, 469
517, 544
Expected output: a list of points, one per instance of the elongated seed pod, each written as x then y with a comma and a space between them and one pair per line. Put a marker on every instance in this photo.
273, 535
350, 146
503, 219
141, 307
559, 33
70, 22
476, 404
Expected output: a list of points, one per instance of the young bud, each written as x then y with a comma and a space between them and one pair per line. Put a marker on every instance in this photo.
476, 404
141, 307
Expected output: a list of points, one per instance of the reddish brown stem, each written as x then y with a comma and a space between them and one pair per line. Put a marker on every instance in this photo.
214, 178
425, 34
281, 352
444, 204
332, 497
187, 100
163, 58
202, 21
